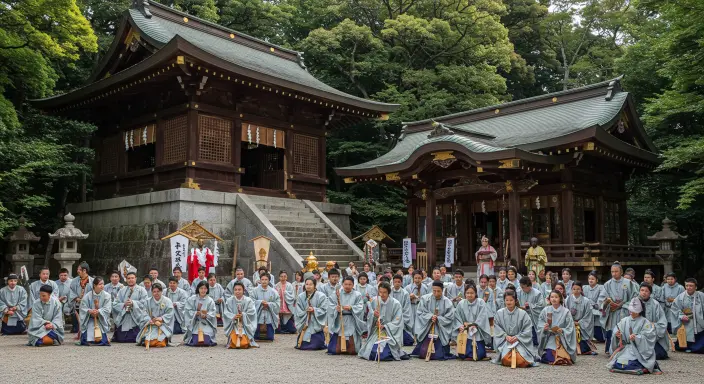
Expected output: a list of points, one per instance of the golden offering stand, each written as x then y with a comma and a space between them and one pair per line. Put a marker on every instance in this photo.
261, 252
311, 263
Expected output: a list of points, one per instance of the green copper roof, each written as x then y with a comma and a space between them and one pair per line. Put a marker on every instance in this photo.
161, 30
521, 129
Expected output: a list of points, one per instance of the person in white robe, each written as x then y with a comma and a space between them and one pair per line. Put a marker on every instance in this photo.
596, 294
567, 279
240, 319
347, 313
365, 289
182, 282
384, 328
689, 313
502, 282
154, 277
580, 308
80, 285
13, 307
530, 300
670, 291
64, 284
127, 310
399, 293
455, 290
310, 314
239, 278
332, 285
472, 317
287, 298
257, 274
557, 339
158, 322
617, 296
371, 275
513, 336
217, 293
633, 344
43, 280
197, 280
267, 303
46, 325
655, 314
444, 276
434, 320
657, 294
408, 277
416, 290
94, 315
200, 319
513, 277
178, 299
352, 270
114, 287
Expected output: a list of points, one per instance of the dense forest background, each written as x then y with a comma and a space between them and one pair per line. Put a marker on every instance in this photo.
432, 56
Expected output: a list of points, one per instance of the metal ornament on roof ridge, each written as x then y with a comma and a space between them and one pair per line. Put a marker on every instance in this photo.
440, 129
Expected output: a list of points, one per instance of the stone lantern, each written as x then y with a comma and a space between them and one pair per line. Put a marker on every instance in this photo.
19, 242
68, 237
666, 239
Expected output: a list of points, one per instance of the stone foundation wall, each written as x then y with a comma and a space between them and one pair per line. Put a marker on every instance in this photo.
131, 228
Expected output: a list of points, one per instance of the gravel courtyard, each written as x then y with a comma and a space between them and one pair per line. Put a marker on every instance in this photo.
278, 362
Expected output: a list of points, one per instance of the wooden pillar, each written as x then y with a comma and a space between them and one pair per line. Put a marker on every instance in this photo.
623, 222
430, 246
514, 224
288, 161
567, 207
193, 139
410, 218
237, 149
600, 210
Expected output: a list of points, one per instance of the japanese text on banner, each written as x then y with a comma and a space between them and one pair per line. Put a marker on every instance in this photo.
406, 256
179, 252
449, 251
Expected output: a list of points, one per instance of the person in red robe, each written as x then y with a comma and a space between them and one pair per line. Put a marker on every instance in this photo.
200, 256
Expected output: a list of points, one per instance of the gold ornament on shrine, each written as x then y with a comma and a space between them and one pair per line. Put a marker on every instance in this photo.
311, 263
261, 252
194, 232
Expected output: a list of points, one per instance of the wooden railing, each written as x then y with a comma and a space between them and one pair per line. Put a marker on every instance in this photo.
273, 179
558, 253
394, 257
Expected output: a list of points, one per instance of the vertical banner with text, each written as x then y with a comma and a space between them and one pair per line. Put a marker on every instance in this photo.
179, 253
449, 251
406, 253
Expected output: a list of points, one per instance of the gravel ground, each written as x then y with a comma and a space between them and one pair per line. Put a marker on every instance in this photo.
278, 362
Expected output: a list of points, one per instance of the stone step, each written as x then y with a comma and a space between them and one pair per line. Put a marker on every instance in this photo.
300, 222
278, 202
329, 252
342, 260
314, 246
316, 239
272, 214
280, 208
301, 227
306, 232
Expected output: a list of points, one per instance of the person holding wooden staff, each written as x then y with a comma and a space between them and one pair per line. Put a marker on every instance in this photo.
556, 333
200, 319
310, 313
471, 326
94, 315
158, 320
287, 298
267, 302
633, 344
655, 314
46, 326
346, 320
435, 313
385, 328
400, 294
127, 310
617, 295
580, 308
513, 335
13, 307
240, 319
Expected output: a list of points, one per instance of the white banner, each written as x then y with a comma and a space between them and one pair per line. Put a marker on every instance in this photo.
449, 251
406, 256
179, 253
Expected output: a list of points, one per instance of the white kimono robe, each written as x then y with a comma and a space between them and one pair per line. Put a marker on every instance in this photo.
113, 290
43, 313
87, 321
446, 316
596, 295
581, 310
76, 291
419, 291
562, 318
655, 314
64, 290
217, 292
616, 290
183, 284
125, 319
518, 324
287, 295
454, 292
14, 298
268, 315
476, 313
163, 308
246, 307
669, 294
641, 349
318, 317
248, 286
34, 291
354, 318
193, 321
178, 302
693, 304
403, 297
391, 316
535, 301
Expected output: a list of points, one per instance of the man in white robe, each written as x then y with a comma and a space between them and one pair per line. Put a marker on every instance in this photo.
399, 293
239, 278
43, 280
455, 290
182, 283
240, 319
178, 299
13, 307
197, 280
434, 325
127, 310
157, 321
347, 312
267, 303
46, 325
689, 313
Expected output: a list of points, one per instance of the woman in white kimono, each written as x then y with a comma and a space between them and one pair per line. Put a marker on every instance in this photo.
311, 315
158, 321
366, 290
556, 335
200, 319
548, 285
351, 309
633, 344
287, 297
580, 308
513, 277
472, 316
385, 328
240, 319
485, 257
513, 335
178, 299
217, 293
13, 307
267, 302
655, 314
46, 326
94, 315
434, 320
596, 294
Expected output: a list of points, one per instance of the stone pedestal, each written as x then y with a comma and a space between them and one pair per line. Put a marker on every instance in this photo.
18, 260
66, 260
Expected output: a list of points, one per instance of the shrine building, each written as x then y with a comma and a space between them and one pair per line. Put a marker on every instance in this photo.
552, 167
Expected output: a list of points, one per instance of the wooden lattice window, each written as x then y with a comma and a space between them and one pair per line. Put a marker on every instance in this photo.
305, 155
109, 155
175, 132
215, 138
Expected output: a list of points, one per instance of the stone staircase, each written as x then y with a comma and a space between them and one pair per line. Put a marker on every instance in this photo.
305, 230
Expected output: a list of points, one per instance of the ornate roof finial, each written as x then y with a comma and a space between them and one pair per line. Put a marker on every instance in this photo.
301, 61
143, 6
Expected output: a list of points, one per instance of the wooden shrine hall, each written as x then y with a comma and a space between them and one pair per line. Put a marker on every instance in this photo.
552, 167
182, 102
